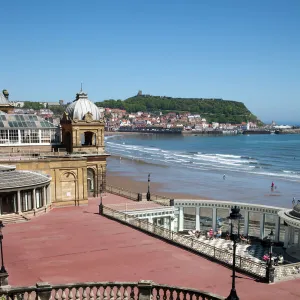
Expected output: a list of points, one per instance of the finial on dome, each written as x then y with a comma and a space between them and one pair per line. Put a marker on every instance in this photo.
81, 87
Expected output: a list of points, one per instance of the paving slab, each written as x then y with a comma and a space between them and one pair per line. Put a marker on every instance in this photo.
75, 244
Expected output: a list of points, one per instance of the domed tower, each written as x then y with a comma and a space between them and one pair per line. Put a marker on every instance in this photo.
5, 105
82, 126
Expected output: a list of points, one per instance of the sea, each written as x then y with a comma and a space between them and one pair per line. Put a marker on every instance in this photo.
238, 168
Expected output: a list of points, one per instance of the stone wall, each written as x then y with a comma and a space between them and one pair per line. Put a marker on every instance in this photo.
26, 149
69, 176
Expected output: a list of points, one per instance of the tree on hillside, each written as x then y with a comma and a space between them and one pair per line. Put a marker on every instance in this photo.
32, 105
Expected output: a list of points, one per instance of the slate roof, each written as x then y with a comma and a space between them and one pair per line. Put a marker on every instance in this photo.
18, 179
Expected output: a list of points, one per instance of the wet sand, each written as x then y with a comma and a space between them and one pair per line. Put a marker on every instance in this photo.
116, 179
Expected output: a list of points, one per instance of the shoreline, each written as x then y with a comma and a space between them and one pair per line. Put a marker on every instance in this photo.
119, 180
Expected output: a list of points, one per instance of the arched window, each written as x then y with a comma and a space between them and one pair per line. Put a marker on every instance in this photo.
88, 138
91, 182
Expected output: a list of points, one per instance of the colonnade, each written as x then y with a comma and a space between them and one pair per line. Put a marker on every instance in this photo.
292, 237
246, 221
23, 200
165, 222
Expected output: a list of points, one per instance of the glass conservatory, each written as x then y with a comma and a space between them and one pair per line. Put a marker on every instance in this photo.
27, 129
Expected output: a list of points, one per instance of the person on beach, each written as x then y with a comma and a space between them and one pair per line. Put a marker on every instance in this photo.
224, 177
272, 186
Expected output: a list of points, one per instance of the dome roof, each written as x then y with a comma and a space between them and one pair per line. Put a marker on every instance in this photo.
81, 106
296, 211
3, 99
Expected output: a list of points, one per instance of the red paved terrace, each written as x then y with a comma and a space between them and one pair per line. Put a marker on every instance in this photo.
75, 244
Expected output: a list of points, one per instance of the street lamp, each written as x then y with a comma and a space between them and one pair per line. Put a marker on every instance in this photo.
270, 267
148, 193
2, 270
234, 220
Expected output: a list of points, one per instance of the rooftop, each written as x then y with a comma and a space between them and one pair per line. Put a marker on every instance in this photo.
14, 179
24, 121
3, 99
81, 106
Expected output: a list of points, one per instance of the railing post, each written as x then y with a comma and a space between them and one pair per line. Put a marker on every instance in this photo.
43, 291
3, 280
145, 289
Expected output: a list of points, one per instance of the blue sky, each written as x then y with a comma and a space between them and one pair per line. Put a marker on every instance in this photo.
247, 51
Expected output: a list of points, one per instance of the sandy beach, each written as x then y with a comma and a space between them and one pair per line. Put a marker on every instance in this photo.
130, 182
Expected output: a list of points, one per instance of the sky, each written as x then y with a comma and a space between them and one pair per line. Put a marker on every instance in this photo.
246, 51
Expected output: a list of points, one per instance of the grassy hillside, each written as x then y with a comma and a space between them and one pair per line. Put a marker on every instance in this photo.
214, 110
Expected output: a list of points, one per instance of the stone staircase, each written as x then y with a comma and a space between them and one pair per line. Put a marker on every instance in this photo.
13, 218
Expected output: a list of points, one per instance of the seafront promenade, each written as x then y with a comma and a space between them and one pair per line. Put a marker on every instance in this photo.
76, 244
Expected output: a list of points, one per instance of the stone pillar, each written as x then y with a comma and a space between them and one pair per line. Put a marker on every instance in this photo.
246, 223
181, 219
43, 291
49, 194
40, 136
19, 136
171, 220
145, 290
262, 225
34, 199
286, 236
292, 236
214, 218
19, 201
150, 220
44, 196
277, 229
4, 283
197, 218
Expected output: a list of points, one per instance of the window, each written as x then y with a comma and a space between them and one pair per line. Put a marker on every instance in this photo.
39, 198
25, 136
45, 135
26, 200
4, 137
34, 136
13, 136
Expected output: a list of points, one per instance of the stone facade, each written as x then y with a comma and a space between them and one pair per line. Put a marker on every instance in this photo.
69, 184
77, 175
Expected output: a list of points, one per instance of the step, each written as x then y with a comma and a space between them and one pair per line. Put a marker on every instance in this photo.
13, 218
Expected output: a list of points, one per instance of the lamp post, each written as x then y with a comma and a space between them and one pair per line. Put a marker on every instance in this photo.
148, 193
2, 270
270, 268
234, 220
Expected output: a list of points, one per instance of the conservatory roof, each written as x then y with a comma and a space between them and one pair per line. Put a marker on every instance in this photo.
18, 121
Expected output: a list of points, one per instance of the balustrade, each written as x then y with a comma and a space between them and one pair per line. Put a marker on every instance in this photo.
143, 290
222, 255
134, 196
